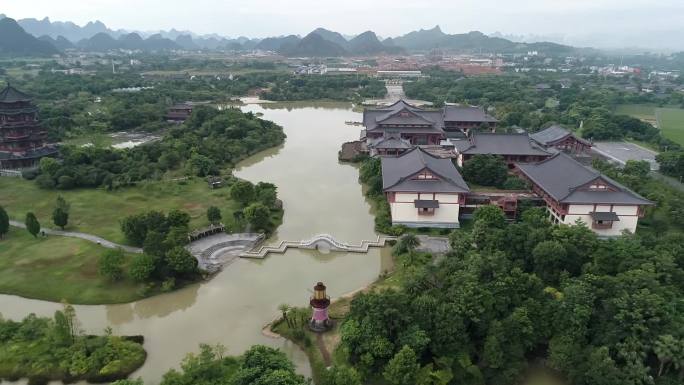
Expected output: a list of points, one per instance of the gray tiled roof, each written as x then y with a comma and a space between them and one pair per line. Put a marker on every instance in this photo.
396, 173
561, 176
551, 135
13, 95
389, 142
501, 144
411, 117
467, 114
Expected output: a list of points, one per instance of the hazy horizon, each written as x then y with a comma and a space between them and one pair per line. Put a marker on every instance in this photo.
599, 23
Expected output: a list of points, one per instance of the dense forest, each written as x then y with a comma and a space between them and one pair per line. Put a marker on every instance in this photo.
597, 311
209, 140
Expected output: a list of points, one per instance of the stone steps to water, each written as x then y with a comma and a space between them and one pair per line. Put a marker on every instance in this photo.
314, 243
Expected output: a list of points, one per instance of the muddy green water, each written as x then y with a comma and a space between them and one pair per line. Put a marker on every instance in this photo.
319, 195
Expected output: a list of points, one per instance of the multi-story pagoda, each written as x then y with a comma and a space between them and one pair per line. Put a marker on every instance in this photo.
22, 138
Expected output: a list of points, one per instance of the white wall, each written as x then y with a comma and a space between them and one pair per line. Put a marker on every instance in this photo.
627, 214
405, 212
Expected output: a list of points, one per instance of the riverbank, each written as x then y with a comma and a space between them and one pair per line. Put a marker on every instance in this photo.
57, 268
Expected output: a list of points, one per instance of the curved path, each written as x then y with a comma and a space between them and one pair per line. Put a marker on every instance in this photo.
88, 237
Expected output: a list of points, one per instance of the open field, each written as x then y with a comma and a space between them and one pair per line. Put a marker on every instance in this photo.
671, 123
99, 212
57, 268
669, 120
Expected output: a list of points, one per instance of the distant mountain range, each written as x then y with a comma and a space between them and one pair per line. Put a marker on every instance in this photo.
95, 36
14, 41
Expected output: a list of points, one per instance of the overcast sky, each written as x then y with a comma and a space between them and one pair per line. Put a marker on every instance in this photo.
260, 18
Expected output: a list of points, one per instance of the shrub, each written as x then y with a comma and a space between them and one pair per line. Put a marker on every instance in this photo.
45, 182
257, 215
142, 267
110, 265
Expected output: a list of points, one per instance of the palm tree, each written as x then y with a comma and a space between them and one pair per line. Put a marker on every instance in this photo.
285, 308
410, 242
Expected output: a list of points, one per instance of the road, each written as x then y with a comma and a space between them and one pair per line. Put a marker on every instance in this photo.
88, 237
621, 152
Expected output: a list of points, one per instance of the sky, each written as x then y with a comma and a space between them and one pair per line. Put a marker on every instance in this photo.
628, 21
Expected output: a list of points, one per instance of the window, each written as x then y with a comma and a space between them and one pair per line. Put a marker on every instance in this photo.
425, 211
425, 175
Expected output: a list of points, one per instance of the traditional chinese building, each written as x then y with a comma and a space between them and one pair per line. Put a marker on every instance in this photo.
403, 120
22, 138
573, 191
420, 126
561, 139
320, 320
179, 113
461, 119
512, 147
423, 190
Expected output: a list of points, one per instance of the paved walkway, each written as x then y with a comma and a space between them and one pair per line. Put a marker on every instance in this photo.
218, 250
88, 237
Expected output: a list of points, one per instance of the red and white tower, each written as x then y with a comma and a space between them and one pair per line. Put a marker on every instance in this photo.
320, 321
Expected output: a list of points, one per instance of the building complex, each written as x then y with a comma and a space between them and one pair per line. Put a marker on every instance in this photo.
424, 189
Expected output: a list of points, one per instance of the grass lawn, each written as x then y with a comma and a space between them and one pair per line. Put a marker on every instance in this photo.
640, 111
99, 212
57, 268
671, 123
669, 120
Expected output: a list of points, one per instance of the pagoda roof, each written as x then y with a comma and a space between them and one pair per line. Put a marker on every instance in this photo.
566, 181
13, 95
554, 134
397, 173
501, 144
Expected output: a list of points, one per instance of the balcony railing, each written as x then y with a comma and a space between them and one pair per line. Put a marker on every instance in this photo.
601, 226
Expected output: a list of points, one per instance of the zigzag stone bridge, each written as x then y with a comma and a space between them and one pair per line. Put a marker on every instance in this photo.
320, 241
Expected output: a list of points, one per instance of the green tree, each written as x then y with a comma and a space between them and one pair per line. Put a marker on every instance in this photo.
4, 222
242, 192
181, 261
110, 265
341, 375
142, 267
491, 216
154, 244
49, 166
485, 170
266, 193
32, 224
549, 260
60, 215
214, 214
284, 309
403, 368
257, 215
